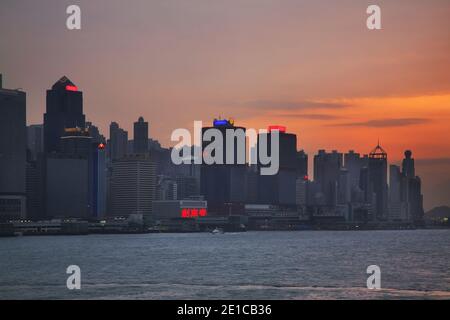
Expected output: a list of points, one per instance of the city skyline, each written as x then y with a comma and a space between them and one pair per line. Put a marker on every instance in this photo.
328, 79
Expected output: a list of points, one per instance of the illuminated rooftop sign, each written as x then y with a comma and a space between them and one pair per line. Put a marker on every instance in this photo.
278, 128
71, 88
220, 123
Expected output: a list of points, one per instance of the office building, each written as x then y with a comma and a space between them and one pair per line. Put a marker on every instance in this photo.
327, 170
223, 185
35, 140
279, 189
133, 183
412, 189
64, 110
13, 144
118, 142
140, 140
67, 181
377, 180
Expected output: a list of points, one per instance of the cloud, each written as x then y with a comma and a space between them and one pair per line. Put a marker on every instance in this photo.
384, 123
291, 105
310, 116
433, 161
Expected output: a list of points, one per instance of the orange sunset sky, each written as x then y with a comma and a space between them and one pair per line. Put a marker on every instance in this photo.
310, 65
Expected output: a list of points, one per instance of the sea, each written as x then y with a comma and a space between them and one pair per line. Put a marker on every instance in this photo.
413, 264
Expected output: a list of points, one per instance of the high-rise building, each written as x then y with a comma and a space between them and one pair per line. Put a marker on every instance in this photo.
64, 110
397, 204
140, 140
98, 172
354, 162
302, 164
412, 189
67, 191
377, 179
188, 187
223, 185
327, 170
166, 188
301, 191
118, 142
408, 168
76, 142
279, 189
344, 191
35, 140
133, 183
35, 187
13, 145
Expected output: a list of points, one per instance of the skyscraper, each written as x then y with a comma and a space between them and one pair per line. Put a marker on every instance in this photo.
35, 140
13, 144
302, 164
354, 162
64, 110
133, 182
377, 179
413, 189
279, 189
223, 185
408, 169
98, 179
118, 141
140, 141
327, 170
397, 204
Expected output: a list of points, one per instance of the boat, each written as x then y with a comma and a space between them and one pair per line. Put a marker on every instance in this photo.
217, 231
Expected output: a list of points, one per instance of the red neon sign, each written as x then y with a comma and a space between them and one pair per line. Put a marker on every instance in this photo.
279, 128
193, 212
71, 88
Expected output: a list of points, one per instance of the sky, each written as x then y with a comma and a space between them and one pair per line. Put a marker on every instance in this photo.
312, 66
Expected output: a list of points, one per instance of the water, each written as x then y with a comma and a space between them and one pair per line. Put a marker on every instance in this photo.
252, 265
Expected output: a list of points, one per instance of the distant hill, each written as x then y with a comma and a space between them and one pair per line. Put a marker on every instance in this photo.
438, 212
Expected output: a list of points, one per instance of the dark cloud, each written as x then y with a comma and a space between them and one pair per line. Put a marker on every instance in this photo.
383, 123
290, 105
433, 161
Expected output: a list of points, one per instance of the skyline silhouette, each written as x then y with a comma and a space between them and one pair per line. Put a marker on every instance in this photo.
313, 67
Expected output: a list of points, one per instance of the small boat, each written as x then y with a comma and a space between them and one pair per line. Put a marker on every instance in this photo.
217, 231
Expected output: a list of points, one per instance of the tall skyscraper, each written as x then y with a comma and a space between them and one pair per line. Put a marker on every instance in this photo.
98, 171
354, 162
408, 168
118, 142
397, 204
64, 110
377, 179
140, 141
223, 185
13, 144
413, 189
327, 170
133, 183
35, 140
279, 189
